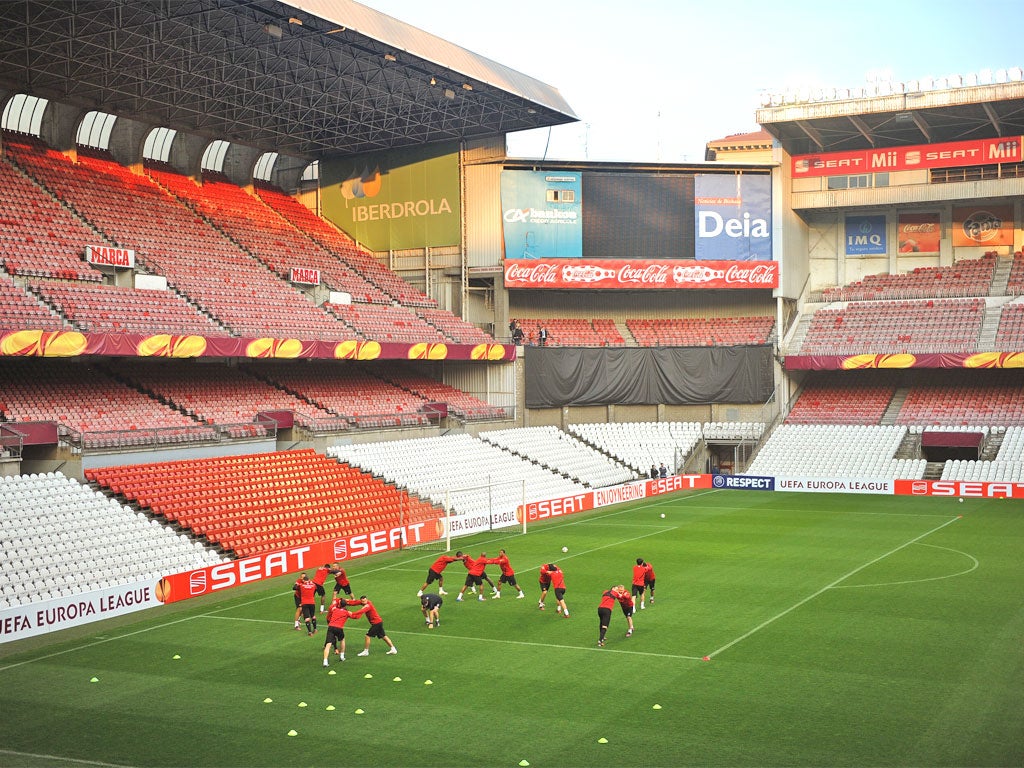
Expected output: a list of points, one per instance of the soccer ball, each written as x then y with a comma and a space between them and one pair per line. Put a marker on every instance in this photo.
565, 549
662, 515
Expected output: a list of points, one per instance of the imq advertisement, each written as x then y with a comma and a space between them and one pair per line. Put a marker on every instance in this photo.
406, 198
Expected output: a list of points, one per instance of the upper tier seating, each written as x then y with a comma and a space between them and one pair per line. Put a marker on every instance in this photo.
50, 522
38, 236
218, 394
462, 404
84, 399
1015, 285
571, 332
455, 328
261, 231
350, 392
950, 325
386, 323
265, 502
20, 310
1010, 334
171, 240
113, 309
969, 277
335, 241
702, 331
841, 402
997, 398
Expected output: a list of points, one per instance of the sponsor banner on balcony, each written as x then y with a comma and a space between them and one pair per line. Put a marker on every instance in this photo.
639, 274
542, 215
108, 256
305, 276
920, 156
904, 360
918, 233
733, 217
983, 225
865, 235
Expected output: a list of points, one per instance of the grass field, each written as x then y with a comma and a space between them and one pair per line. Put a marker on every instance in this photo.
839, 631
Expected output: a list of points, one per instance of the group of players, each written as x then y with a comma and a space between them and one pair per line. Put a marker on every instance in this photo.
551, 578
309, 590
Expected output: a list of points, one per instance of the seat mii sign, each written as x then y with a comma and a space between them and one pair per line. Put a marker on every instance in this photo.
733, 217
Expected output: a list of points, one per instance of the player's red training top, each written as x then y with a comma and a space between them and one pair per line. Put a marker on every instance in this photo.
477, 567
442, 562
502, 562
338, 616
307, 592
607, 600
639, 572
624, 598
321, 575
558, 578
545, 576
340, 577
371, 613
648, 573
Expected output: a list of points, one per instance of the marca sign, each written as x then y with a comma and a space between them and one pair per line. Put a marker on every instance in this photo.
948, 155
108, 256
305, 275
639, 274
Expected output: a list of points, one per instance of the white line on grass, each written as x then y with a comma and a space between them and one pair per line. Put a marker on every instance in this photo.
72, 760
827, 587
488, 640
975, 565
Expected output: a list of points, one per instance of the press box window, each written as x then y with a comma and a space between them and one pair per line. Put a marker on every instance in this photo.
561, 195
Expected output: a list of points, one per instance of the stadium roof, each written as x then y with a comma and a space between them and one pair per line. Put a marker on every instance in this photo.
311, 78
897, 119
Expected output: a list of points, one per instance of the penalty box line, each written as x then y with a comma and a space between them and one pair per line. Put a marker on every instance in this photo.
827, 587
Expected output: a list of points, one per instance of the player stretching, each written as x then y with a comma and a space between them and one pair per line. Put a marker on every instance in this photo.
639, 581
545, 584
558, 584
604, 614
475, 576
306, 590
626, 604
336, 618
436, 571
508, 576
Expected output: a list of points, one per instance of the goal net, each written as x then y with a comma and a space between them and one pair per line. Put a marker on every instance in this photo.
476, 509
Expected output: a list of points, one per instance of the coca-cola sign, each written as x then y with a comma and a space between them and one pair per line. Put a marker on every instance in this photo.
635, 274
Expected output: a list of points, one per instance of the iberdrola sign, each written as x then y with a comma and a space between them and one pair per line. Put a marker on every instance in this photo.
400, 199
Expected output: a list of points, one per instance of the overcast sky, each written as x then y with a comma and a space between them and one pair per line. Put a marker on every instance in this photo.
655, 80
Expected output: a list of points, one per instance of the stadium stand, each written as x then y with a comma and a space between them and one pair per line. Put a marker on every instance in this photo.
923, 326
962, 399
335, 241
258, 503
455, 328
841, 402
386, 323
261, 231
50, 521
1010, 333
461, 404
641, 444
968, 277
554, 449
1015, 283
114, 309
20, 310
835, 451
38, 236
460, 472
172, 241
701, 331
572, 332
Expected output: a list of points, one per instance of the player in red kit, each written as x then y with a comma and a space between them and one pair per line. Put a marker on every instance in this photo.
475, 576
558, 584
649, 580
341, 582
604, 613
320, 578
639, 577
306, 590
376, 626
626, 604
508, 576
436, 571
336, 619
545, 584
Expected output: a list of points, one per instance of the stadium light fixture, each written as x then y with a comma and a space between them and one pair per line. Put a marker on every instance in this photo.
467, 87
390, 57
433, 81
273, 30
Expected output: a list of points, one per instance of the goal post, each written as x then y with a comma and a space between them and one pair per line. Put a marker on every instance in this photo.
491, 506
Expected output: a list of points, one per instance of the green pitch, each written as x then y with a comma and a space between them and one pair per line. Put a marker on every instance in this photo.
838, 631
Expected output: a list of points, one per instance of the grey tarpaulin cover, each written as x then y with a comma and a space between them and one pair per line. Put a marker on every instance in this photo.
558, 376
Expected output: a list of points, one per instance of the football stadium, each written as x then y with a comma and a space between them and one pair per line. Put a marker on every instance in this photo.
288, 340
